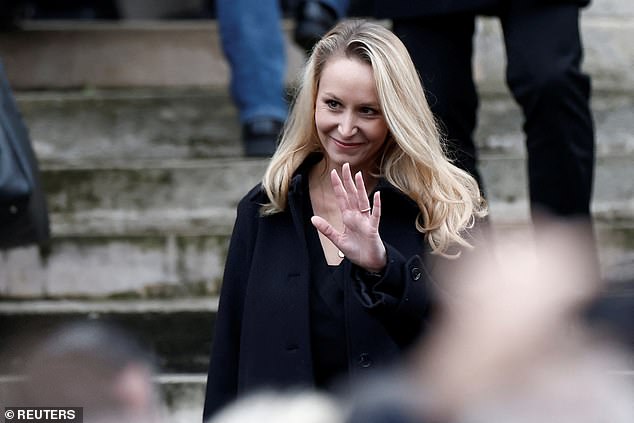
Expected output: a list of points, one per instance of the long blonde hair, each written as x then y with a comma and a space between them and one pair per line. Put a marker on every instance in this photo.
412, 160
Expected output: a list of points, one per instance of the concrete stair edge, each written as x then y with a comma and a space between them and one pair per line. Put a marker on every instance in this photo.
108, 306
219, 221
174, 266
161, 127
208, 184
198, 45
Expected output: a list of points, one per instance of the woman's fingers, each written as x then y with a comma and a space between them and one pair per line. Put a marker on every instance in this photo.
349, 185
375, 218
326, 229
359, 239
361, 194
343, 200
350, 191
352, 195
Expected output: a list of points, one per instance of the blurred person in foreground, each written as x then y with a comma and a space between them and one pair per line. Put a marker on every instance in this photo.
282, 407
510, 345
95, 366
326, 275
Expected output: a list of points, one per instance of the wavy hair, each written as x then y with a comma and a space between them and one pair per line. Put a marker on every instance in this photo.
413, 158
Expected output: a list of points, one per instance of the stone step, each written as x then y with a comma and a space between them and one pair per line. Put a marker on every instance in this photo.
188, 124
173, 265
145, 185
119, 54
177, 333
121, 124
610, 8
212, 183
91, 266
183, 395
188, 53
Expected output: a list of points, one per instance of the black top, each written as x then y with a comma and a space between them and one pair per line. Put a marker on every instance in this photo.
327, 329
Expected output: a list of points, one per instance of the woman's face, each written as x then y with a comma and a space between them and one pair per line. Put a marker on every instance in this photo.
348, 117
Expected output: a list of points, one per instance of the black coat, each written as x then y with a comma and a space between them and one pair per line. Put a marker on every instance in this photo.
23, 209
262, 332
412, 9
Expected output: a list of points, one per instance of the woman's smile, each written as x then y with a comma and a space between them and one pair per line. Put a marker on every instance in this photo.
346, 144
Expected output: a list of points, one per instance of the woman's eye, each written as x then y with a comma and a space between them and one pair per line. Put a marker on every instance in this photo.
332, 104
368, 111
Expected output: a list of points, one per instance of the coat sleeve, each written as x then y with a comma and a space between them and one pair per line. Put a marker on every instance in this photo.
222, 378
399, 298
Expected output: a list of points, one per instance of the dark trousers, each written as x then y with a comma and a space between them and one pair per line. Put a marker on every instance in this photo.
544, 53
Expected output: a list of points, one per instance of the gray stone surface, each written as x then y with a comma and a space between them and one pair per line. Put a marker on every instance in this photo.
222, 182
167, 266
133, 53
167, 124
176, 266
72, 127
184, 396
147, 185
112, 54
610, 8
109, 222
176, 332
125, 53
111, 307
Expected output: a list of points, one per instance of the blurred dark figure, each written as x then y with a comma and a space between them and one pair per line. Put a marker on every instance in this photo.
67, 9
10, 13
95, 366
253, 42
314, 18
544, 53
23, 210
612, 312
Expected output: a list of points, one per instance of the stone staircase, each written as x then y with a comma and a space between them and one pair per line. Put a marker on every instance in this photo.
142, 165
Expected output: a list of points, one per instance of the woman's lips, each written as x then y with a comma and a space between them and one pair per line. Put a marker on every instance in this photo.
344, 144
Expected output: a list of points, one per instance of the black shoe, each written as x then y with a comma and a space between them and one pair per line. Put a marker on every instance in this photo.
260, 136
313, 20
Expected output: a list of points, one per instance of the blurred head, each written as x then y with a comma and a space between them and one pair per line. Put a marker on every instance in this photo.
361, 100
95, 366
510, 344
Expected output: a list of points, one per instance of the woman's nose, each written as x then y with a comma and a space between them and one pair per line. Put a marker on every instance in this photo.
347, 127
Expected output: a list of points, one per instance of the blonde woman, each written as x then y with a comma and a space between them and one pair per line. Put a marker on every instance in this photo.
325, 277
